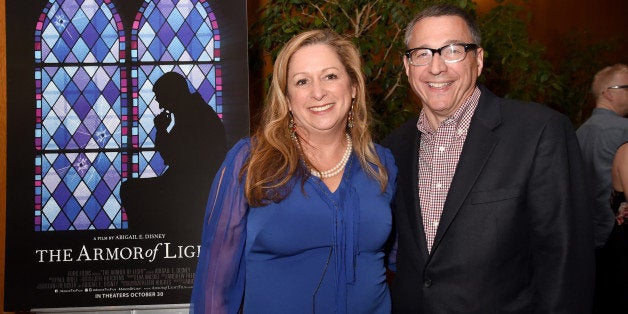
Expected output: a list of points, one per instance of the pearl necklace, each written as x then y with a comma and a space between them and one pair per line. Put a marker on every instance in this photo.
338, 167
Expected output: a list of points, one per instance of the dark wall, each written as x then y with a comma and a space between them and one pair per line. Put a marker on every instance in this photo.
603, 20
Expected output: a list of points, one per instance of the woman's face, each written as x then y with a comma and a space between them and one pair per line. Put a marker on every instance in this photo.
319, 90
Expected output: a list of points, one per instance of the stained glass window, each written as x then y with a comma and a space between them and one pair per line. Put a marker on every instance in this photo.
95, 106
184, 31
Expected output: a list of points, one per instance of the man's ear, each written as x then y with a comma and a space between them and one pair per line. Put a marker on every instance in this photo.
480, 59
609, 95
406, 65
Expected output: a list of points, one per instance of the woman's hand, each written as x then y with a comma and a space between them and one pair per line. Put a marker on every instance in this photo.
622, 213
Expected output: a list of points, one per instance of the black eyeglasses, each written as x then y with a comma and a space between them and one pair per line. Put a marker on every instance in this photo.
617, 87
450, 53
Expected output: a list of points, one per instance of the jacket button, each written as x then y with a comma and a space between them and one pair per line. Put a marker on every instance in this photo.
427, 283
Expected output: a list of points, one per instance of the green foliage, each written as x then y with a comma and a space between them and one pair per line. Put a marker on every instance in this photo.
376, 27
514, 66
583, 57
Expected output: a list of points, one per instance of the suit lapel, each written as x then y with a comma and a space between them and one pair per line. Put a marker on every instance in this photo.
477, 148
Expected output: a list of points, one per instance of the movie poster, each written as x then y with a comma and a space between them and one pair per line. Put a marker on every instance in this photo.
119, 113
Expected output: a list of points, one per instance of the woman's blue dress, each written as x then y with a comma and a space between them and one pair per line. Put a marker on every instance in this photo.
316, 251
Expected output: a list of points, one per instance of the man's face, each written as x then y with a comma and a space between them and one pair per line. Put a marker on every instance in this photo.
164, 100
619, 96
441, 86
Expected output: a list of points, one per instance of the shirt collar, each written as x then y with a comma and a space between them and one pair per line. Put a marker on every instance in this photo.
604, 111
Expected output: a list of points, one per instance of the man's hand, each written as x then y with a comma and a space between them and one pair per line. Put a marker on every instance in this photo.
162, 120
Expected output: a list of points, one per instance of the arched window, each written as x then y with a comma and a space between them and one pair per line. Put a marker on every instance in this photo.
94, 104
180, 36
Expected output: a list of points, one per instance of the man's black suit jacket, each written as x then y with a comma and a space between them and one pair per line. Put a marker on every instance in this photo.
515, 233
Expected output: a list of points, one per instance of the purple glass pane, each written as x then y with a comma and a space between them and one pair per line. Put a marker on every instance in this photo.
102, 192
81, 107
185, 34
82, 136
102, 221
111, 92
61, 194
61, 222
82, 222
90, 35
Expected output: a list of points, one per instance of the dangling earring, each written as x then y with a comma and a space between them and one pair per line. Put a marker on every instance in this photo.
292, 127
350, 117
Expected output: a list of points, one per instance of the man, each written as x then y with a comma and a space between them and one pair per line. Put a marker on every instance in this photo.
196, 145
491, 210
190, 138
599, 138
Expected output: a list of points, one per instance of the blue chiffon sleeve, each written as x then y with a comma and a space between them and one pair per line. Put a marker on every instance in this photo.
219, 280
387, 159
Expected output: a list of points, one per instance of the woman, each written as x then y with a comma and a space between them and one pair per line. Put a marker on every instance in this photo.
620, 183
299, 214
617, 244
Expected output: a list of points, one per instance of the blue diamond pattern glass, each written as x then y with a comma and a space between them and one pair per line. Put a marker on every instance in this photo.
89, 136
85, 125
79, 116
186, 32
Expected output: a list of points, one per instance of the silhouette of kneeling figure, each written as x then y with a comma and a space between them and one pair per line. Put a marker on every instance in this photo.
193, 149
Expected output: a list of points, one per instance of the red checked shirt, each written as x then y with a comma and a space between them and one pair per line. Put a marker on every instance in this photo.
438, 157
